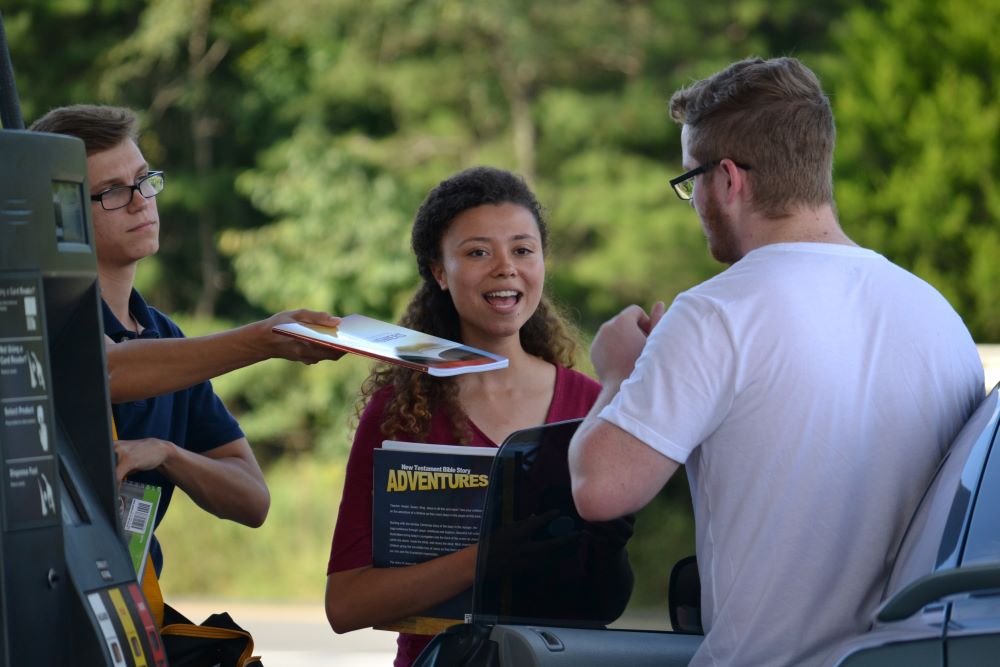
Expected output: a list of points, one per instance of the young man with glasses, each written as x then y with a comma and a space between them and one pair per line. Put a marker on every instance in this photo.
173, 429
810, 389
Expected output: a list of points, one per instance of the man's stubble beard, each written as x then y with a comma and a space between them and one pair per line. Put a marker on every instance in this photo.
719, 231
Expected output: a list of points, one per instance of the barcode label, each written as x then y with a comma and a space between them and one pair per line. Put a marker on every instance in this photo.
138, 516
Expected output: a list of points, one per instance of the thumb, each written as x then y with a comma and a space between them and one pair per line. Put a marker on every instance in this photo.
656, 314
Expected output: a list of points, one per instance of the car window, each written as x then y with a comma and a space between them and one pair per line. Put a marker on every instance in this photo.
935, 535
983, 542
539, 561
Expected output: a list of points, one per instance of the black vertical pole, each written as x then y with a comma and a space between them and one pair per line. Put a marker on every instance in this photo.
10, 106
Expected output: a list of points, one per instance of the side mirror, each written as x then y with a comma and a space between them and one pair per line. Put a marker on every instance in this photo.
684, 597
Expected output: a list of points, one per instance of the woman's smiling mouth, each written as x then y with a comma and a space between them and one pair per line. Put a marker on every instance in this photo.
504, 299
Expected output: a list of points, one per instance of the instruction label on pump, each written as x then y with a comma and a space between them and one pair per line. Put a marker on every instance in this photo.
19, 299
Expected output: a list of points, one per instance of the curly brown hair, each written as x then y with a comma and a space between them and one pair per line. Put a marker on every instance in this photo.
546, 334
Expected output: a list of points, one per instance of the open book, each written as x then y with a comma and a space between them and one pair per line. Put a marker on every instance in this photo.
427, 502
396, 345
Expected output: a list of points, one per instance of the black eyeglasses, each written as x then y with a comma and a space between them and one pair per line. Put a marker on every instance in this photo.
683, 185
120, 196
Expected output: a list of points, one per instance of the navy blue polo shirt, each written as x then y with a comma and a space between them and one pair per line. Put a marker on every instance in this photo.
193, 418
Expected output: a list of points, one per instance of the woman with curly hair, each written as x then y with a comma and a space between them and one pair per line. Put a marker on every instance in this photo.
479, 239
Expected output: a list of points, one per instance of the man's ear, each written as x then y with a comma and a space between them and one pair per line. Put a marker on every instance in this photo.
737, 184
439, 276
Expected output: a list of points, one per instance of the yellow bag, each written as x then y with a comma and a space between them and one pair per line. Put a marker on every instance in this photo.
216, 641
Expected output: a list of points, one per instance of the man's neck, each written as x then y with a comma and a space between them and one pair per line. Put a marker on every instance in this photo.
804, 225
116, 288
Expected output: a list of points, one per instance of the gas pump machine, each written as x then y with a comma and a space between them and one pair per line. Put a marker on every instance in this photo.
68, 594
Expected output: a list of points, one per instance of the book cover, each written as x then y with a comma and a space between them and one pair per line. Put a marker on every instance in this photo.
137, 504
396, 345
427, 501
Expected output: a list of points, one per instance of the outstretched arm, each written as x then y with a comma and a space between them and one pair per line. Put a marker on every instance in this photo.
144, 368
368, 596
225, 481
614, 473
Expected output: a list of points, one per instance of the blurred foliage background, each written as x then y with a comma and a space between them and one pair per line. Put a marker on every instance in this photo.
299, 138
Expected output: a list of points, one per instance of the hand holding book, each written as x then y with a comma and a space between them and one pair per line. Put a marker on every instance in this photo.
427, 501
294, 349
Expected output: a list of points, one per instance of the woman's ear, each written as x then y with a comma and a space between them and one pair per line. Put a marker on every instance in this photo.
439, 276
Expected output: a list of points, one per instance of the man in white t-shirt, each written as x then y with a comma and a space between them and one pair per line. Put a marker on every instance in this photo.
810, 389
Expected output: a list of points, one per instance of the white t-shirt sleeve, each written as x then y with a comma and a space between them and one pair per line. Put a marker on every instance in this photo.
683, 383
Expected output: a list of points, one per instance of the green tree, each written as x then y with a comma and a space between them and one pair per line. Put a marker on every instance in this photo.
571, 95
916, 97
172, 61
55, 48
177, 68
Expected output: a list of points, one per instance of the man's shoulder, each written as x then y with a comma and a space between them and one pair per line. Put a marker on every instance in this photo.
779, 268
